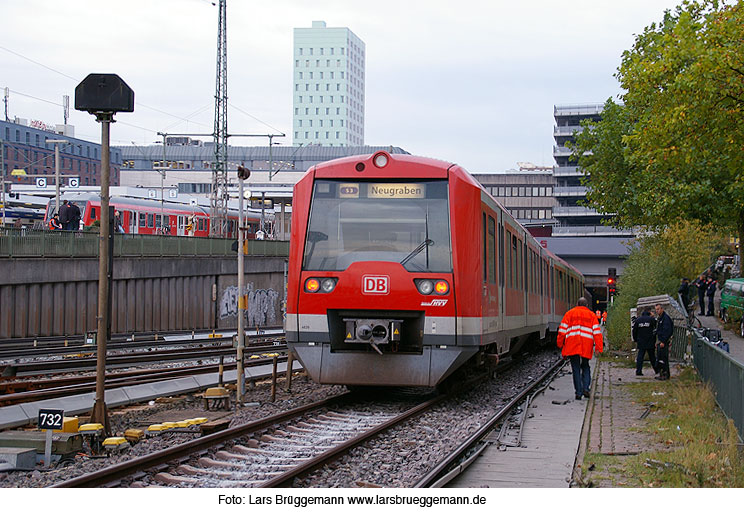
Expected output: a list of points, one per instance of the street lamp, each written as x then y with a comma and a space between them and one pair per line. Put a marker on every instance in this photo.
56, 169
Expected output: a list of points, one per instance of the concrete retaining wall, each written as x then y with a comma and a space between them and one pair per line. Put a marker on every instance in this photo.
59, 296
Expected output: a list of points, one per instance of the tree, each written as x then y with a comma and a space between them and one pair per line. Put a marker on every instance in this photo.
674, 148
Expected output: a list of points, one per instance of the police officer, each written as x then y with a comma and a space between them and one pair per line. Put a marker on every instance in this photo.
664, 331
684, 292
644, 329
711, 292
701, 286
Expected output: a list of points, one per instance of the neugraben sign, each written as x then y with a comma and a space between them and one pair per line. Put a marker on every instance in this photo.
396, 191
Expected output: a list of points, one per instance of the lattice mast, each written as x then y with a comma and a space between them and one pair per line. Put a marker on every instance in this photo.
218, 204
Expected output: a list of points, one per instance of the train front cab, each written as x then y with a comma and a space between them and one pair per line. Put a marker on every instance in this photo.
372, 293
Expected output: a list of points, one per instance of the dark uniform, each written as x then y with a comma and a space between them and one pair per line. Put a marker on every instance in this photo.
64, 216
644, 334
701, 286
664, 331
74, 217
711, 292
684, 292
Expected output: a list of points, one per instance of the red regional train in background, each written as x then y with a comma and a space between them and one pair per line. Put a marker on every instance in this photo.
150, 217
404, 269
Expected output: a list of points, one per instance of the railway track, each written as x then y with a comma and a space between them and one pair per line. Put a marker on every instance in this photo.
270, 452
16, 350
56, 387
83, 358
290, 449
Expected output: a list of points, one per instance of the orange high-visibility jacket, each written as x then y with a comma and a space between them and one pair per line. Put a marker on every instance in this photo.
579, 333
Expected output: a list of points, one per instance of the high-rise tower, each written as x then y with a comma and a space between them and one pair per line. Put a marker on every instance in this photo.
328, 89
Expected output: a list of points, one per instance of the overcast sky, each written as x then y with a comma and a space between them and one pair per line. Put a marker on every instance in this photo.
472, 82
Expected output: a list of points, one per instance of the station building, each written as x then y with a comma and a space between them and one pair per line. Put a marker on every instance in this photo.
26, 150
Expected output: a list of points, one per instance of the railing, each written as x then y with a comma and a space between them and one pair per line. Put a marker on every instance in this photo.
724, 374
567, 171
569, 191
591, 231
576, 211
27, 243
578, 109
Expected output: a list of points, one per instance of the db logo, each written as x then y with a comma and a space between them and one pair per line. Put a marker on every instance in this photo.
375, 284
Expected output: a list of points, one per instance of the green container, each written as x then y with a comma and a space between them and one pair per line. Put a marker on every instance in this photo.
732, 302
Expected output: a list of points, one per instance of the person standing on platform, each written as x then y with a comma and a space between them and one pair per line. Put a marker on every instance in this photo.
644, 329
711, 292
701, 285
74, 214
684, 293
578, 336
664, 331
64, 216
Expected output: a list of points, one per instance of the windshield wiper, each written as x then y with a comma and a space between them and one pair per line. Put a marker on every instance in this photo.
423, 245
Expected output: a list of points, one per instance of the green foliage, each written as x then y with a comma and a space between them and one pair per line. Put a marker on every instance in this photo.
674, 149
655, 267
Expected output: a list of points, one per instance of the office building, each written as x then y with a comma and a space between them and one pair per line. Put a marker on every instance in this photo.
328, 89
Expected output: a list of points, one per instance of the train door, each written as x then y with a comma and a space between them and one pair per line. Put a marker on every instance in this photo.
501, 274
490, 284
181, 227
132, 222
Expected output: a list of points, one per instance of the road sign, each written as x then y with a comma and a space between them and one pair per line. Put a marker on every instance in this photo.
152, 194
73, 182
192, 201
173, 193
41, 182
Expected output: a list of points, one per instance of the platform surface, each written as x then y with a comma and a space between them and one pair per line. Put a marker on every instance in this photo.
550, 442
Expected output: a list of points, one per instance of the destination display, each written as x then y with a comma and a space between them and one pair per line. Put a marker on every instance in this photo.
382, 190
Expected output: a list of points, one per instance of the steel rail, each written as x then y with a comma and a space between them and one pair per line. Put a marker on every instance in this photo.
286, 479
131, 359
431, 478
122, 470
30, 351
88, 383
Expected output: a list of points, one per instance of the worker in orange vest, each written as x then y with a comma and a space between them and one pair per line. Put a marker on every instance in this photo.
604, 318
578, 336
54, 223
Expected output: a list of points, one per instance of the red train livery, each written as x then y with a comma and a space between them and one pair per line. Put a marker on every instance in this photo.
403, 269
150, 217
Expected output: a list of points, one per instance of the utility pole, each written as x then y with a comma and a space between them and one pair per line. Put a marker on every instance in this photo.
218, 213
2, 171
56, 171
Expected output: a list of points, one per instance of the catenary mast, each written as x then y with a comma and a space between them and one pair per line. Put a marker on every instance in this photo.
218, 202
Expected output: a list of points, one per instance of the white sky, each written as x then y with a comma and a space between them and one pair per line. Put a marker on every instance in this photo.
472, 82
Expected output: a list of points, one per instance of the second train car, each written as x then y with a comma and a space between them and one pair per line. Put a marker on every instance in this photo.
403, 269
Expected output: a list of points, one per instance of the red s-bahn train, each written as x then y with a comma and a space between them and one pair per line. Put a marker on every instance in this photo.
150, 217
403, 269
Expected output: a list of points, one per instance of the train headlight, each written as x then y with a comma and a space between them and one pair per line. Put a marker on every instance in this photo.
380, 160
425, 287
328, 284
441, 287
324, 285
429, 287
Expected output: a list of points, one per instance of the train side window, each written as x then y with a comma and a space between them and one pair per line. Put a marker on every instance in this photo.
501, 253
520, 267
491, 250
142, 220
93, 213
485, 250
514, 264
150, 220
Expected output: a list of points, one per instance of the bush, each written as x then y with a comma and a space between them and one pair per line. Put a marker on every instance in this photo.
655, 267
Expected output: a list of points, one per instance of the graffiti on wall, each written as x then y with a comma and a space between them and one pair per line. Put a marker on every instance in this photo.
260, 309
